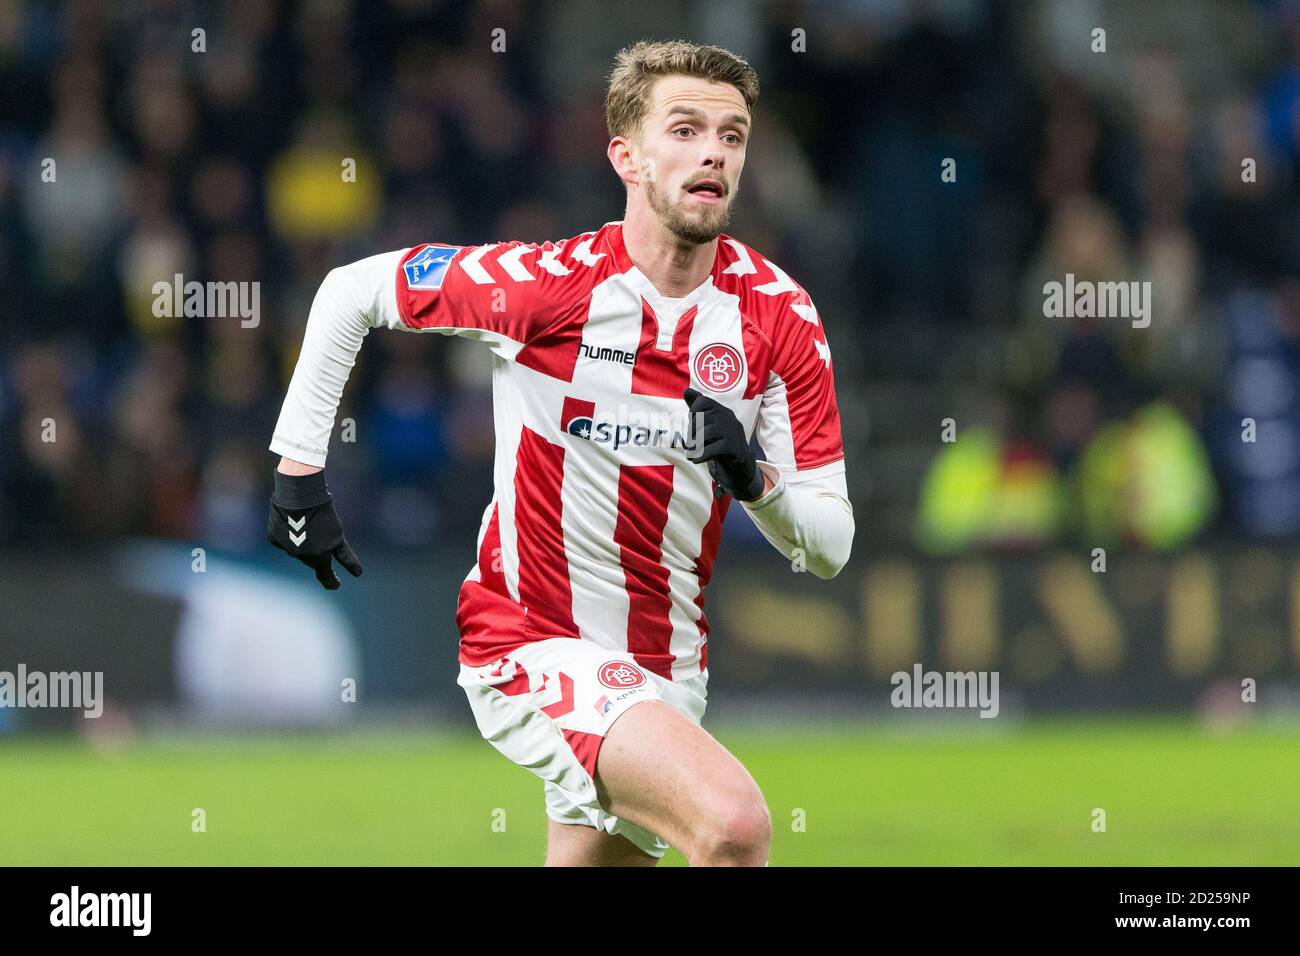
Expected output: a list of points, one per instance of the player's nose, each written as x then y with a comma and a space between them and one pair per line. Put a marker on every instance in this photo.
714, 157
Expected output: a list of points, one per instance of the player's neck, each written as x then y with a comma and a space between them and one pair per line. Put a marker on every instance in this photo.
673, 267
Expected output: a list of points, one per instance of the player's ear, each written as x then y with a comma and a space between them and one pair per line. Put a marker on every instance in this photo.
622, 159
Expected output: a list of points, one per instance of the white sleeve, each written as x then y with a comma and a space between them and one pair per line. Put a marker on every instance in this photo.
807, 516
351, 301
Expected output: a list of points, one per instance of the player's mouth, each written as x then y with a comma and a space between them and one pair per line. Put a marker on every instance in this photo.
708, 191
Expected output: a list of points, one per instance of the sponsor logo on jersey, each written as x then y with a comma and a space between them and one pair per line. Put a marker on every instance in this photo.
427, 269
606, 354
603, 705
628, 427
718, 367
620, 675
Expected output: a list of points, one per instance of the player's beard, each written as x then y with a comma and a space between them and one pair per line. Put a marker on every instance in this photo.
703, 224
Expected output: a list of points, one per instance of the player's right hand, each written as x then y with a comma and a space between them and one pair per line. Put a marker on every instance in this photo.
304, 525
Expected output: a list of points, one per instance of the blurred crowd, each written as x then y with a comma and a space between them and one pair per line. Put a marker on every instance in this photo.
214, 141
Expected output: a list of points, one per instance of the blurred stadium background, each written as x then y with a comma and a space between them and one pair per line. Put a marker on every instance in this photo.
1120, 690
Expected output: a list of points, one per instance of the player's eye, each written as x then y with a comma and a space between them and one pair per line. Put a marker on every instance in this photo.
733, 138
682, 129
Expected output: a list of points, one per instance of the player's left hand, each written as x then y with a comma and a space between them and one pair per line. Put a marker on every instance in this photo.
719, 439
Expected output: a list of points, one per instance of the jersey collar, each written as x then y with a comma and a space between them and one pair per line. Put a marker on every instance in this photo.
625, 264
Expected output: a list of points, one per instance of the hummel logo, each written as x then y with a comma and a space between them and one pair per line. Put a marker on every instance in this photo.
604, 353
297, 539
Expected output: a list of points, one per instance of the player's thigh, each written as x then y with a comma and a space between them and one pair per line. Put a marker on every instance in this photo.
576, 845
669, 775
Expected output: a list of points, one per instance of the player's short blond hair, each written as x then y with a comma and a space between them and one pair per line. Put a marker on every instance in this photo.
627, 101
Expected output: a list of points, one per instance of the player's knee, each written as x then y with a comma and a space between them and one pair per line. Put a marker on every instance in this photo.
739, 834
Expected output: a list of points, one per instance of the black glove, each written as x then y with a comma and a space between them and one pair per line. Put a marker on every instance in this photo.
718, 438
304, 525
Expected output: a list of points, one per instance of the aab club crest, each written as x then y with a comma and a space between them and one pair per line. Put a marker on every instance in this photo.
718, 367
620, 675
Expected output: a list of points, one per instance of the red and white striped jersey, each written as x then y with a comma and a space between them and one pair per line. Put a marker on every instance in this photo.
600, 528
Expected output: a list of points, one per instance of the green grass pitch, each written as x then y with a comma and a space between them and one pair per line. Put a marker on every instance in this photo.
1174, 794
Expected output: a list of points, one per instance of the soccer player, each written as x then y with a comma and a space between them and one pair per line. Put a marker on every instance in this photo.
633, 365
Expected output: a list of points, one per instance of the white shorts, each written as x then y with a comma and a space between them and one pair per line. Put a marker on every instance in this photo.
548, 705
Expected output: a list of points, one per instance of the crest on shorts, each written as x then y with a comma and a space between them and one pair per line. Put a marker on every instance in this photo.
620, 675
